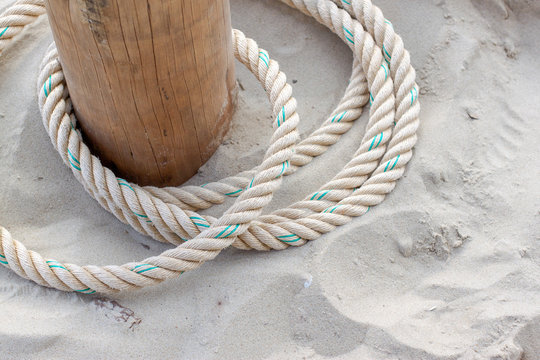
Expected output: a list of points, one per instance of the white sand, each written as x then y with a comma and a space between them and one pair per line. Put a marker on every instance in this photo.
447, 267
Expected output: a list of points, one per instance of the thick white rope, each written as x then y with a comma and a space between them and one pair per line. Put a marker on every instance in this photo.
382, 74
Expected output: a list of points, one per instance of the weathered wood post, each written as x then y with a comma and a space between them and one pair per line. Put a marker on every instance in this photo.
152, 81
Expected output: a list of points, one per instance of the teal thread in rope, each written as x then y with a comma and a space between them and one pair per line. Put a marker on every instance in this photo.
141, 216
386, 52
320, 197
284, 166
388, 22
73, 161
144, 270
282, 115
370, 99
196, 217
233, 192
229, 234
388, 163
84, 291
341, 117
285, 238
346, 2
73, 157
74, 166
3, 31
3, 261
124, 182
199, 218
264, 58
55, 264
333, 209
373, 142
45, 86
151, 268
349, 39
385, 71
138, 266
414, 95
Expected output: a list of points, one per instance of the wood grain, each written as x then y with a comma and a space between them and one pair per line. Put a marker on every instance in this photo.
152, 81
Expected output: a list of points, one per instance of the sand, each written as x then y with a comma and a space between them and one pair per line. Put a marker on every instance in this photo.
447, 267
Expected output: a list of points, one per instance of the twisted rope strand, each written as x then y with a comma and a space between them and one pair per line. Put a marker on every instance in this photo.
382, 75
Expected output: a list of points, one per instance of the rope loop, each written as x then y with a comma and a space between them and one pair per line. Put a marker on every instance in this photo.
381, 75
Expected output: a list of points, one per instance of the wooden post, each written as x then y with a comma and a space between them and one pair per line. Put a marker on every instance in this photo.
152, 81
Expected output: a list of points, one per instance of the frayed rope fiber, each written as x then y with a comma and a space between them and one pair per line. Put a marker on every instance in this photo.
382, 75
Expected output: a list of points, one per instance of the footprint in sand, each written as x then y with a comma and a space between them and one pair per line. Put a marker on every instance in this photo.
507, 134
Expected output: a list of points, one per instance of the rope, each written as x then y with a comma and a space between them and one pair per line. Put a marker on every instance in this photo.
382, 74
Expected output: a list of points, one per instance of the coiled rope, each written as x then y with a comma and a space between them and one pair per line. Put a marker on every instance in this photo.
382, 74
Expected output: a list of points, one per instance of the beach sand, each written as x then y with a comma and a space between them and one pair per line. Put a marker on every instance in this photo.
447, 267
